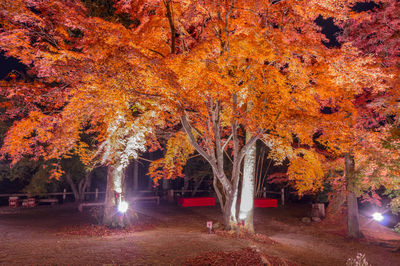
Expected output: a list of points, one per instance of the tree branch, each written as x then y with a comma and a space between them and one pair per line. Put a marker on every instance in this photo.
168, 6
192, 139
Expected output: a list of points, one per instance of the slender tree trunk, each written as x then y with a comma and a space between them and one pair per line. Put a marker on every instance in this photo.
353, 225
83, 185
73, 187
186, 178
247, 196
197, 185
149, 180
135, 175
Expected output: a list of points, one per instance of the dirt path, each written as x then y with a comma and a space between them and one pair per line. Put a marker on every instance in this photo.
32, 236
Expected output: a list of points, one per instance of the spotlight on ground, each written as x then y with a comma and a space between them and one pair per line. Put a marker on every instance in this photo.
377, 216
123, 206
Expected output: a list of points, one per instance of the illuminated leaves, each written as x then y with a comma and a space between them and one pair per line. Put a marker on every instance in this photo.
306, 172
225, 66
171, 165
124, 140
26, 136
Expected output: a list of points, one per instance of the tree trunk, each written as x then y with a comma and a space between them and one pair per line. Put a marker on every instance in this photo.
186, 178
247, 196
229, 212
218, 192
73, 187
110, 202
336, 212
165, 184
227, 202
83, 185
149, 180
215, 157
135, 175
115, 181
353, 225
197, 185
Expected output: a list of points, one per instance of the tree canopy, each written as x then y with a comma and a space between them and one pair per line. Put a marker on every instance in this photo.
207, 72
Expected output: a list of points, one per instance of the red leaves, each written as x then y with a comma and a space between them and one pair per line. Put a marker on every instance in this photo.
241, 257
100, 231
379, 33
245, 256
261, 238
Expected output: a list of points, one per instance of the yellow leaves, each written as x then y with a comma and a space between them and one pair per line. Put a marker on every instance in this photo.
85, 154
177, 153
56, 172
305, 171
178, 145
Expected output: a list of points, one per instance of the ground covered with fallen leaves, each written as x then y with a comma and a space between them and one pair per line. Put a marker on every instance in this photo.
172, 235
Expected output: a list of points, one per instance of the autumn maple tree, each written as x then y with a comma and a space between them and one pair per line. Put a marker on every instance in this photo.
70, 90
219, 75
375, 33
248, 77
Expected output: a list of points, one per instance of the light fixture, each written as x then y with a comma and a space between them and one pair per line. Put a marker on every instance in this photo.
242, 216
123, 206
377, 216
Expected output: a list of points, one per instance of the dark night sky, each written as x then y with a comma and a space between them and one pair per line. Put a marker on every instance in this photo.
8, 64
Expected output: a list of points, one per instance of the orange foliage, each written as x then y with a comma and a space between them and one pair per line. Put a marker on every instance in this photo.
171, 165
200, 64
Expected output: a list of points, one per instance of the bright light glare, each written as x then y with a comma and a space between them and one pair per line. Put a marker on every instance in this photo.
123, 206
242, 216
377, 216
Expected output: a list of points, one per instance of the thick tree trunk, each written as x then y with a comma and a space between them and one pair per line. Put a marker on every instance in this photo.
229, 212
336, 212
353, 225
110, 202
73, 187
227, 200
214, 155
218, 192
115, 181
247, 196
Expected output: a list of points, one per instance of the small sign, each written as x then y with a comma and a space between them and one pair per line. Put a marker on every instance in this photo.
209, 224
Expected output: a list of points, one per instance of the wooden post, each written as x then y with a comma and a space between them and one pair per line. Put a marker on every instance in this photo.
283, 196
96, 194
64, 194
264, 192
